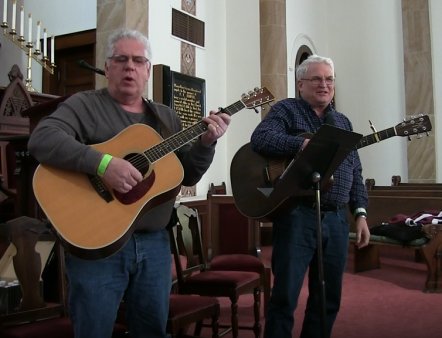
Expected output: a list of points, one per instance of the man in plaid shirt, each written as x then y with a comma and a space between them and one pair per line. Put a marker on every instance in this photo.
282, 133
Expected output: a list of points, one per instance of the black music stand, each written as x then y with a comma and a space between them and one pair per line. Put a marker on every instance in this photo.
313, 168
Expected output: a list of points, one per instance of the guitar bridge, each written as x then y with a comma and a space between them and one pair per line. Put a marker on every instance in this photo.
100, 188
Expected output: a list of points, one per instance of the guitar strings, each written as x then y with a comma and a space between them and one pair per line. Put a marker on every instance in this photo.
178, 140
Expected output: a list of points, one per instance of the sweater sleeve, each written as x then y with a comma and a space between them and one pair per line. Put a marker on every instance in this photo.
60, 138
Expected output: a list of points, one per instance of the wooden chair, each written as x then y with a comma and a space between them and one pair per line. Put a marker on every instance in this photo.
217, 189
238, 260
239, 243
196, 278
185, 310
34, 315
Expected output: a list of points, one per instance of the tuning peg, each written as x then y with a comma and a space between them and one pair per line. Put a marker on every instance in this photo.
244, 96
256, 89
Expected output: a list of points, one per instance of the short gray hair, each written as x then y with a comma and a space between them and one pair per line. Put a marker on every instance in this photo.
125, 33
303, 67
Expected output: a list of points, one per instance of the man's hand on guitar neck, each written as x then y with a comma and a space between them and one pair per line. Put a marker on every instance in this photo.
121, 175
217, 124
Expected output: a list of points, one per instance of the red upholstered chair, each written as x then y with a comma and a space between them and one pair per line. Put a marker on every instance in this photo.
54, 328
244, 262
234, 254
196, 278
185, 310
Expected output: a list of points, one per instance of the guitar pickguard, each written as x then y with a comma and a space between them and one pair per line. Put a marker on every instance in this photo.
137, 192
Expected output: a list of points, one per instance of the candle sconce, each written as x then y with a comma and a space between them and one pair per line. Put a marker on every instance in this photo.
19, 40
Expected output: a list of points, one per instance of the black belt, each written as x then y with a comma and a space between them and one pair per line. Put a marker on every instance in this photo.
325, 207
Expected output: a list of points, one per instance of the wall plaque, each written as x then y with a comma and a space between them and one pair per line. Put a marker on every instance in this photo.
188, 97
186, 94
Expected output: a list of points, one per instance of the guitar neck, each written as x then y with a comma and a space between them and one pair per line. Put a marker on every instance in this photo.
183, 137
376, 137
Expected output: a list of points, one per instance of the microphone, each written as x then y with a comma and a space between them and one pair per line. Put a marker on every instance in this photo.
84, 64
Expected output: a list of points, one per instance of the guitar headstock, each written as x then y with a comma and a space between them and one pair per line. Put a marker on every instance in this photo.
257, 98
415, 125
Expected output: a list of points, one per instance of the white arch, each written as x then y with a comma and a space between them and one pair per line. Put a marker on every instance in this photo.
300, 40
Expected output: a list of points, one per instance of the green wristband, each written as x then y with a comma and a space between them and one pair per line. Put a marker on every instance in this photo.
103, 164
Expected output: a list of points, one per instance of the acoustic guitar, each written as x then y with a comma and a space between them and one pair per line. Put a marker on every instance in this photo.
94, 221
254, 191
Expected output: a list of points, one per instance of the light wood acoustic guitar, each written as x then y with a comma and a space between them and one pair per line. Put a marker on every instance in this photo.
94, 221
255, 189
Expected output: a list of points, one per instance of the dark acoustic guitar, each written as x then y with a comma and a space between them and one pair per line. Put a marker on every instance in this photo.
94, 221
253, 189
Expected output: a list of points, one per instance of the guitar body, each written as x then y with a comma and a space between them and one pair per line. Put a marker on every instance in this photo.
90, 226
93, 221
263, 186
253, 179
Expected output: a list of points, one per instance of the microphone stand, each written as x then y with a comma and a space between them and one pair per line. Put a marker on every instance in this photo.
316, 180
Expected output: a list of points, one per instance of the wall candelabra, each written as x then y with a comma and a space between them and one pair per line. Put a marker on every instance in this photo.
31, 46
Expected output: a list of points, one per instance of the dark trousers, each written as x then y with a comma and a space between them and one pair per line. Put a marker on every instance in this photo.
140, 272
295, 253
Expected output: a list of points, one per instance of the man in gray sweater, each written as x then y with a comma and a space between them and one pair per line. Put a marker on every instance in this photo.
140, 271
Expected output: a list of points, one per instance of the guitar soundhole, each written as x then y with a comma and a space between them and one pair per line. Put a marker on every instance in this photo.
138, 161
137, 192
142, 164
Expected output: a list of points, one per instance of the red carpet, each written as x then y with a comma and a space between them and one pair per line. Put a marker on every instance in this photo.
381, 303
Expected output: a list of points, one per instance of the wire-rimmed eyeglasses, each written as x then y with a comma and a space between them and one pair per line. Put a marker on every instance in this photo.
138, 60
317, 80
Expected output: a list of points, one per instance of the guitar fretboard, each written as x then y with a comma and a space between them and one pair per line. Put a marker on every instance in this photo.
183, 137
376, 137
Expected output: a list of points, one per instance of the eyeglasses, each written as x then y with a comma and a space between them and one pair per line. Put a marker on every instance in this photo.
317, 80
138, 60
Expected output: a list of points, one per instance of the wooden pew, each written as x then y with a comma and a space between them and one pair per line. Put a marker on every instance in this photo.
396, 181
392, 202
399, 186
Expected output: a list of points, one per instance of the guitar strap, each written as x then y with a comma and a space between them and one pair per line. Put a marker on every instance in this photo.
155, 121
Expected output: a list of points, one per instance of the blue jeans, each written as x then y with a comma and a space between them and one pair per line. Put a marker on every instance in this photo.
295, 252
140, 272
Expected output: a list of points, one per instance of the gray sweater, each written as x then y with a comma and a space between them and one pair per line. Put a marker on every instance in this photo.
63, 140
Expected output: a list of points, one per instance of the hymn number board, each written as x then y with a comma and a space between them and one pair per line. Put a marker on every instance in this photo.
188, 97
184, 93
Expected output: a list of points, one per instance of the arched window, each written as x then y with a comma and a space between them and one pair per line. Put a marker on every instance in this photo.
303, 53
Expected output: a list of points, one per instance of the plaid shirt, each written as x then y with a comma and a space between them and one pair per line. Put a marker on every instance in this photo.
278, 135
